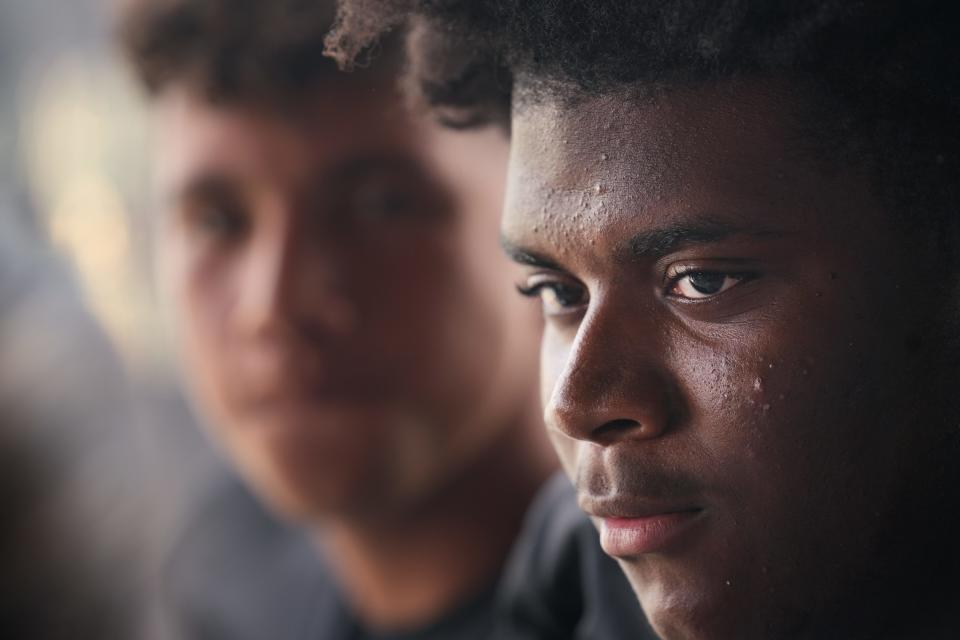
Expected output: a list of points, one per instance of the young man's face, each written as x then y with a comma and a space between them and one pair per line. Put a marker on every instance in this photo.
730, 366
343, 307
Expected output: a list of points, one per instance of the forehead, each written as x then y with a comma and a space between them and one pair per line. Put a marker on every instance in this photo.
731, 150
194, 136
357, 127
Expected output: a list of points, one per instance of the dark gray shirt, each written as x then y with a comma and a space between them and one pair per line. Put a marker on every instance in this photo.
238, 574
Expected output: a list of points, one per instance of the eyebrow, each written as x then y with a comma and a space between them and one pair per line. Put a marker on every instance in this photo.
206, 185
657, 243
524, 256
650, 245
358, 165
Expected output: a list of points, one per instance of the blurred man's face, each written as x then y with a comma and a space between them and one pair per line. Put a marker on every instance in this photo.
731, 366
344, 310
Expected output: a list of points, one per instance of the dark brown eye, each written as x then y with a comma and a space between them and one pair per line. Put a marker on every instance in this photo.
221, 223
214, 207
384, 202
706, 282
558, 298
699, 285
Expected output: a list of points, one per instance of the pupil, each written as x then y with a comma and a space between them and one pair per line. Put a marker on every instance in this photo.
706, 282
222, 222
383, 203
566, 296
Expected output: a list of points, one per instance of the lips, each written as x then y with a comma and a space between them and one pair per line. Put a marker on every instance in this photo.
632, 525
639, 502
624, 537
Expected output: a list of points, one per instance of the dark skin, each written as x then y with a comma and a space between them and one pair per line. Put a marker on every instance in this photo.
730, 352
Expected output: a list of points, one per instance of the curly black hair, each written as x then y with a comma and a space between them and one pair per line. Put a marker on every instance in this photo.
882, 76
250, 51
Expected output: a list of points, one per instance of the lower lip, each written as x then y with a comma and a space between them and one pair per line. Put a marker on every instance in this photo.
625, 537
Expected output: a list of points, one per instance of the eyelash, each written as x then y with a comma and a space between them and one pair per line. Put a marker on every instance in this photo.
220, 223
536, 290
740, 278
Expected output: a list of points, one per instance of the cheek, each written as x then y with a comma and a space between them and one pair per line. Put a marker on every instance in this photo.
198, 292
405, 303
193, 302
776, 410
204, 296
426, 321
755, 383
554, 353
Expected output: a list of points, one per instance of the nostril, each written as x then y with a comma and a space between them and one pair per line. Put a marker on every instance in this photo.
615, 430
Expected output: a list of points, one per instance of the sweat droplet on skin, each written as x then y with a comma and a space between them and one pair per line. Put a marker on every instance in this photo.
758, 385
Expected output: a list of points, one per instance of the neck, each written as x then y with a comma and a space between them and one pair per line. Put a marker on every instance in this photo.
411, 570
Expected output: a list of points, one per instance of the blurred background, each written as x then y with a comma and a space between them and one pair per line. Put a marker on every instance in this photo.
74, 159
86, 380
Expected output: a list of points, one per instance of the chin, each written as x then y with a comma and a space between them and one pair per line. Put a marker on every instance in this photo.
311, 504
309, 496
307, 481
335, 464
686, 610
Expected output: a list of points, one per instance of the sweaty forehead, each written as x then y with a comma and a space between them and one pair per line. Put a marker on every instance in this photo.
615, 159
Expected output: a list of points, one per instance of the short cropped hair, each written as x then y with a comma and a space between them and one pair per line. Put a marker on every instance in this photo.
879, 77
238, 51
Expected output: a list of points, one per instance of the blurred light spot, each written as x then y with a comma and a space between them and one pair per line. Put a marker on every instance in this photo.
83, 129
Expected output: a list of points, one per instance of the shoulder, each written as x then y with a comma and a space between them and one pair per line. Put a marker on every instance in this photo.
237, 573
559, 584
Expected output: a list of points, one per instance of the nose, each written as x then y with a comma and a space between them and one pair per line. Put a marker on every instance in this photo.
289, 286
612, 384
